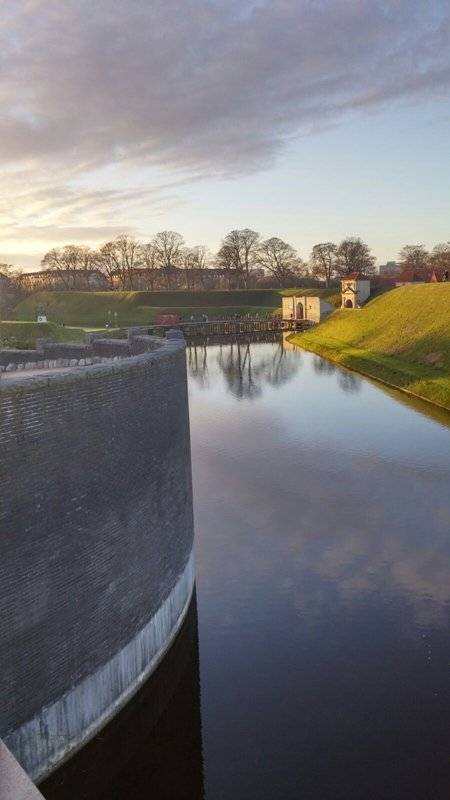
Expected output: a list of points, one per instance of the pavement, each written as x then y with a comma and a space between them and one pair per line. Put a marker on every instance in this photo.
14, 782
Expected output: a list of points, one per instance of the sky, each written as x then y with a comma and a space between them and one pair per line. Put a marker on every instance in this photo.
310, 120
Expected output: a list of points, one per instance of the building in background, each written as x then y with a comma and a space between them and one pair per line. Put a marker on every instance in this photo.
390, 268
64, 280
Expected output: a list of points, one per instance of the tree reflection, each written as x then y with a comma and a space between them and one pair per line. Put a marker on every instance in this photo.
247, 367
349, 382
197, 365
242, 379
322, 366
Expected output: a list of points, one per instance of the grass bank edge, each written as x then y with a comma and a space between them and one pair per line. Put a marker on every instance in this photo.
22, 335
419, 381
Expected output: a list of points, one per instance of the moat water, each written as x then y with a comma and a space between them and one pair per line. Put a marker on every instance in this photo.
320, 668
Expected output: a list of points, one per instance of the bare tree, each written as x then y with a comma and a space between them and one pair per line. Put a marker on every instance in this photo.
127, 248
107, 262
120, 258
85, 265
194, 261
280, 259
201, 260
238, 251
440, 258
11, 274
64, 262
353, 255
187, 261
148, 259
73, 264
413, 256
323, 261
226, 260
11, 290
167, 245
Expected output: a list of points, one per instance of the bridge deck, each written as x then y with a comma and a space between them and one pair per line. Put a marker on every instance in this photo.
233, 327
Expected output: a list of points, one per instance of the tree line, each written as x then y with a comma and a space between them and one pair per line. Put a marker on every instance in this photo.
168, 262
417, 257
165, 262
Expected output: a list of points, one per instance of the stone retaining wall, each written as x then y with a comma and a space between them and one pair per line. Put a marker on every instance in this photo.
96, 536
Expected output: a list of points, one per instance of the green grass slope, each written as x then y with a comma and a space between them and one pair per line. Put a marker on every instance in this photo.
97, 308
24, 334
401, 337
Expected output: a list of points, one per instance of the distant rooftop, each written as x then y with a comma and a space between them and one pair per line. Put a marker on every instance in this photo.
355, 276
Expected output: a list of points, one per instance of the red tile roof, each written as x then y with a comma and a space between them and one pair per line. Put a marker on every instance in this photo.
416, 276
355, 276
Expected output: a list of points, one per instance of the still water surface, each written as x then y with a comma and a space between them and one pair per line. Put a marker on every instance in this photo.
322, 518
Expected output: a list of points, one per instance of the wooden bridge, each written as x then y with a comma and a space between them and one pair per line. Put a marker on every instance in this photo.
231, 327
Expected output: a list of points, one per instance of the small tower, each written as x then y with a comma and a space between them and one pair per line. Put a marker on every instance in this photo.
355, 290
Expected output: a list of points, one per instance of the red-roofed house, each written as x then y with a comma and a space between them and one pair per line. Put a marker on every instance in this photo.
355, 290
414, 276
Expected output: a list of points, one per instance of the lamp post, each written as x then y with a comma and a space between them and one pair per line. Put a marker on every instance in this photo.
109, 319
115, 315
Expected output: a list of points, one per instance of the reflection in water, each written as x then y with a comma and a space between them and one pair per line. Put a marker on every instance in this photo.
287, 345
198, 364
244, 365
152, 748
349, 382
323, 566
322, 366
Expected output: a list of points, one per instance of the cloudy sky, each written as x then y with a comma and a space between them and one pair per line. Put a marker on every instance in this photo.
311, 120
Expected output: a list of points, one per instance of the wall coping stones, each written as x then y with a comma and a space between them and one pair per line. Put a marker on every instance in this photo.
85, 360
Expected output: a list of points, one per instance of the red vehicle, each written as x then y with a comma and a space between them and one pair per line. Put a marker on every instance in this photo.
168, 319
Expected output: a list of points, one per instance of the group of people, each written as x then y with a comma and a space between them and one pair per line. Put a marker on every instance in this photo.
205, 318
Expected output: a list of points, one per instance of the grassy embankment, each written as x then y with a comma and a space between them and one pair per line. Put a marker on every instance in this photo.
93, 309
401, 337
23, 335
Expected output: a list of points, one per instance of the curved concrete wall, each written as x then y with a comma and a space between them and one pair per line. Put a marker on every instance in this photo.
95, 545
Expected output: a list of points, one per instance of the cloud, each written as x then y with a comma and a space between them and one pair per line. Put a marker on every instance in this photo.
207, 87
37, 208
196, 84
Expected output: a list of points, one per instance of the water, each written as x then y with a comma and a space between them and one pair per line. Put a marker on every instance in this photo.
322, 518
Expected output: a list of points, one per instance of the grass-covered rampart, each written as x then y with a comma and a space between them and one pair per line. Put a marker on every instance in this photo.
23, 335
401, 337
141, 308
93, 309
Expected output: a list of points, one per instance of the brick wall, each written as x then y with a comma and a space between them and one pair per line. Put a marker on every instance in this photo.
95, 521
